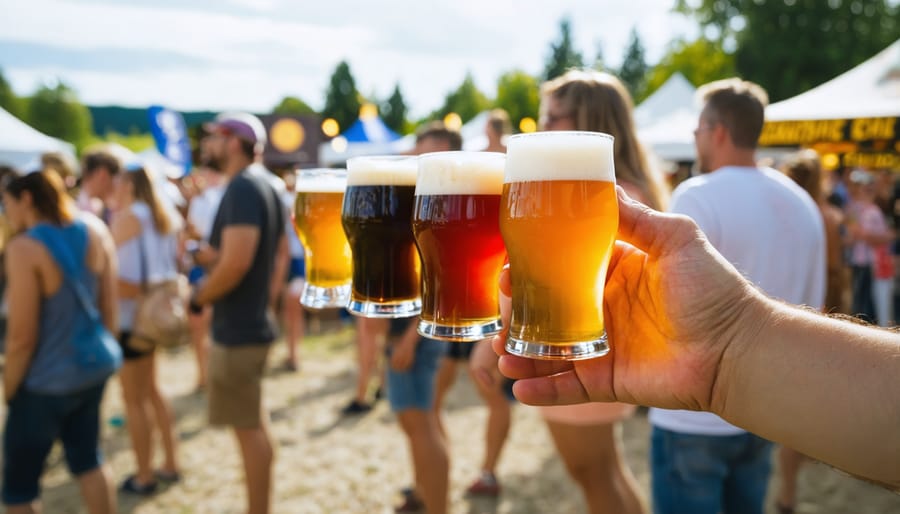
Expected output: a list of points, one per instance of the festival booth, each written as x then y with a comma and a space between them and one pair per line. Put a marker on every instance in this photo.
21, 145
368, 136
851, 120
667, 118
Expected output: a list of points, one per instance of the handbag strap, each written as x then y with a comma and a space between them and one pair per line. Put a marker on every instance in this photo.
66, 261
143, 258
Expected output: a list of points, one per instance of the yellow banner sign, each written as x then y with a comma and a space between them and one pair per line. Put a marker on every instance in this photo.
799, 133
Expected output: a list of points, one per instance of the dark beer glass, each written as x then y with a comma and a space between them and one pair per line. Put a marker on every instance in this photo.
377, 219
456, 224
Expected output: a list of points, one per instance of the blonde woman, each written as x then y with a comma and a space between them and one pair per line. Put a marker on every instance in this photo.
586, 435
144, 231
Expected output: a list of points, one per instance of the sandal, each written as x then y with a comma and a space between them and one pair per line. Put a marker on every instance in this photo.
486, 485
131, 485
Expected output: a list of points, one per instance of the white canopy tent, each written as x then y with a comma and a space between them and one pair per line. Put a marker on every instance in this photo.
667, 118
21, 145
870, 90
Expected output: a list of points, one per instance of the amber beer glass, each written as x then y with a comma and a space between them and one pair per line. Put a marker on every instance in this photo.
377, 218
456, 224
317, 220
558, 217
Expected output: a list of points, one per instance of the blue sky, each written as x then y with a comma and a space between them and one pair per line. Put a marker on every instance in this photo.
248, 54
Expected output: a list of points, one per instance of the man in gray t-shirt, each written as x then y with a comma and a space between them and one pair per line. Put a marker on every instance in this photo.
247, 237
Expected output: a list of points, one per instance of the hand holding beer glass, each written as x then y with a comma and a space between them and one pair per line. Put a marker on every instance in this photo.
456, 225
558, 217
377, 218
317, 220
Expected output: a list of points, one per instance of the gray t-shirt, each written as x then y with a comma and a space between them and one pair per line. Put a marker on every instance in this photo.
241, 317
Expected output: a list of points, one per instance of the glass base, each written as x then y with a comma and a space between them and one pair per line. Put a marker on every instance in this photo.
403, 309
316, 297
459, 334
557, 351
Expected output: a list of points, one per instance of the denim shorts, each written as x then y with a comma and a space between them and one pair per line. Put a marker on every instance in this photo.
706, 474
414, 388
33, 423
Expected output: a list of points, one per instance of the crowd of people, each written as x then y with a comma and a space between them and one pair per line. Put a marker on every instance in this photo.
697, 314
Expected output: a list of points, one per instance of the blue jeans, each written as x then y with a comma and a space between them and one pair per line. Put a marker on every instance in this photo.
414, 388
703, 474
33, 423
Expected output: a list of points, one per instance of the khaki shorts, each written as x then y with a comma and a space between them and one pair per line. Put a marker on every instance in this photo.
235, 385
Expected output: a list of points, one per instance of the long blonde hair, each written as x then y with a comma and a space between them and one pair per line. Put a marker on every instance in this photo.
598, 102
145, 191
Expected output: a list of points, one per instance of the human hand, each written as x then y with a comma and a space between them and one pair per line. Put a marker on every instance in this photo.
483, 361
673, 307
403, 355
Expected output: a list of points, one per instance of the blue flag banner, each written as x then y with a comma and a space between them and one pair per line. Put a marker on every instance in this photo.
170, 134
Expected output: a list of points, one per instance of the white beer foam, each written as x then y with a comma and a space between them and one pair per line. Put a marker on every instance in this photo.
561, 155
382, 171
320, 184
456, 173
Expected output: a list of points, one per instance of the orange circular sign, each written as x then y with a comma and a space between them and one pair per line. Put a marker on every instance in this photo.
287, 135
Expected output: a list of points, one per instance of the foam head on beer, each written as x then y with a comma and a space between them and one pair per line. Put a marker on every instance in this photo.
382, 171
456, 173
321, 181
561, 155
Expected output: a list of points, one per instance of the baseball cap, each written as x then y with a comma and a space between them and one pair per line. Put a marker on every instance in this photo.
243, 125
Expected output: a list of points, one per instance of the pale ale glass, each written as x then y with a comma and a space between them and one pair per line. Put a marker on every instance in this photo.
377, 219
317, 219
456, 224
559, 217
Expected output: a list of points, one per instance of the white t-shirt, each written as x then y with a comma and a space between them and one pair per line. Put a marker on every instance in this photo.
772, 232
203, 209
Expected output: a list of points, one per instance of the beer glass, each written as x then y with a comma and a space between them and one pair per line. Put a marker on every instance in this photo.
317, 220
456, 224
558, 217
377, 218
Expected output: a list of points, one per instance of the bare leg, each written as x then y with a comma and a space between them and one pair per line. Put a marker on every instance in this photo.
257, 455
294, 324
370, 336
498, 422
593, 458
430, 461
790, 461
25, 508
136, 378
446, 376
165, 421
199, 325
97, 491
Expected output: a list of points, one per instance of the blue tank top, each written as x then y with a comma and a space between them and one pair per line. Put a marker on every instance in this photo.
54, 368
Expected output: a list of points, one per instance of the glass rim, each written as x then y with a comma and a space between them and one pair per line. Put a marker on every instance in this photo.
562, 133
319, 171
461, 153
380, 158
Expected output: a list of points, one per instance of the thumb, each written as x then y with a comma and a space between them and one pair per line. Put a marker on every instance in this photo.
650, 230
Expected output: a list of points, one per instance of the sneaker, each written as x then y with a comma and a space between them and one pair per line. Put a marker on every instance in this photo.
131, 485
486, 485
356, 407
411, 503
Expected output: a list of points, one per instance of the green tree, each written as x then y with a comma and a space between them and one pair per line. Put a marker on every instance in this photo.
8, 99
393, 111
599, 61
634, 67
57, 112
791, 46
700, 61
518, 93
293, 105
563, 54
342, 99
466, 100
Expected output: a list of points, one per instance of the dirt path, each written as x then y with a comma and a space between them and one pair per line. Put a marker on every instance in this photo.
328, 464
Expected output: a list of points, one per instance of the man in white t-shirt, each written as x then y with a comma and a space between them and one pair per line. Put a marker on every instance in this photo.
772, 232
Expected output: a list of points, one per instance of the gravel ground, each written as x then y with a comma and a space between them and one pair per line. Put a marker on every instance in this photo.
329, 464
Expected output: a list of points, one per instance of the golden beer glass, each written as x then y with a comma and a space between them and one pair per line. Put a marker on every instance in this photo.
317, 220
558, 216
456, 224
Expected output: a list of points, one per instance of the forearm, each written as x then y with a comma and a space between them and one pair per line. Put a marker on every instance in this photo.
221, 281
824, 387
